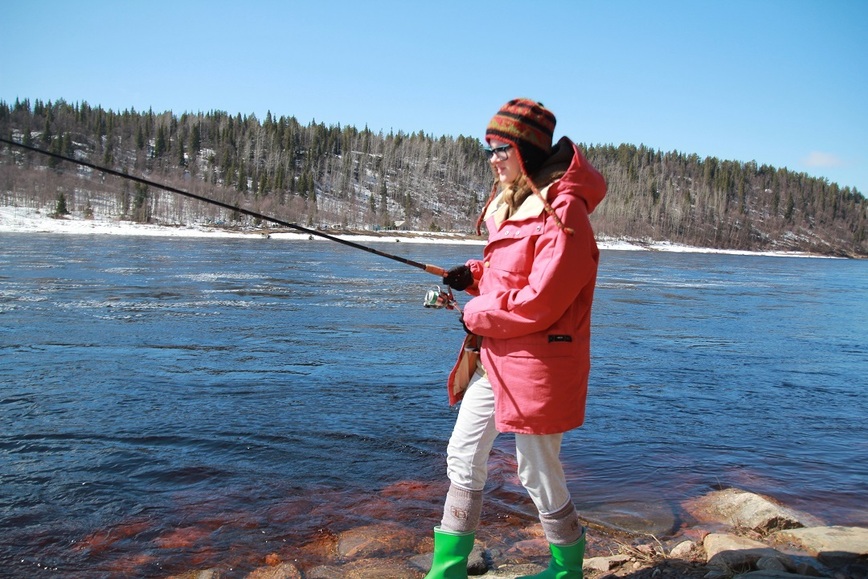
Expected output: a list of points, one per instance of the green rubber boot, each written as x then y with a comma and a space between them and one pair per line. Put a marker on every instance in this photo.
566, 562
451, 551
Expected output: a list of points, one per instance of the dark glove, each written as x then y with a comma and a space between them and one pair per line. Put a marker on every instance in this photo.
459, 278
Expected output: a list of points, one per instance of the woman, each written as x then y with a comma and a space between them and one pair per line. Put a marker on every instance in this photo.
525, 363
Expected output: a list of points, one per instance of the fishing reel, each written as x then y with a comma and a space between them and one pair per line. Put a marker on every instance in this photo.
439, 299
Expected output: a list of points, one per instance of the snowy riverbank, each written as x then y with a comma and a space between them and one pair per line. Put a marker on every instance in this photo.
29, 220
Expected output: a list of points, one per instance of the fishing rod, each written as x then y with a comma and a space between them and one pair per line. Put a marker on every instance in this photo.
433, 269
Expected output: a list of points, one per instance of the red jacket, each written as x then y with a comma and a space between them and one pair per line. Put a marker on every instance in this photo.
535, 285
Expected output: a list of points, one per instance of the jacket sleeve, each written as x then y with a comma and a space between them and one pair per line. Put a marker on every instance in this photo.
476, 269
562, 266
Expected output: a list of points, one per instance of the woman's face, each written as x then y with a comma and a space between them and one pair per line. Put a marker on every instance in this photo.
509, 169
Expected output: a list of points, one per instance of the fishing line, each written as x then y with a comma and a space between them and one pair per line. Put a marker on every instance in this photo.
433, 269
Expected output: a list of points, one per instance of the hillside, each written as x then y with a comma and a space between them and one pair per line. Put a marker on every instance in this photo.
345, 177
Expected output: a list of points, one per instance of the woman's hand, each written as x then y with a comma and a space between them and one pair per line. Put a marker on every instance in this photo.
459, 278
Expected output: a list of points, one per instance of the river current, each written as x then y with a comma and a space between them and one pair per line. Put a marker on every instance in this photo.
164, 401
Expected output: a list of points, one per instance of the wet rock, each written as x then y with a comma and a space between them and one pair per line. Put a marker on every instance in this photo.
181, 538
280, 571
198, 574
831, 545
741, 509
374, 540
529, 547
633, 517
390, 550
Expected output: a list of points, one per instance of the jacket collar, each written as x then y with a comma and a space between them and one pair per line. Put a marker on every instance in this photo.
533, 206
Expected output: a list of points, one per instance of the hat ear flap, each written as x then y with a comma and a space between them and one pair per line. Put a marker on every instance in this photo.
532, 159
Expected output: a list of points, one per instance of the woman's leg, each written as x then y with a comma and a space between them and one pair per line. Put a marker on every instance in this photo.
467, 468
467, 457
542, 474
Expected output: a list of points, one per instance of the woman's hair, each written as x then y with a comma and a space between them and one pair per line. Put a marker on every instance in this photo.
519, 190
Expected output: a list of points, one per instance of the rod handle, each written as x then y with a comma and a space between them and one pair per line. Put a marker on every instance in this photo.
436, 270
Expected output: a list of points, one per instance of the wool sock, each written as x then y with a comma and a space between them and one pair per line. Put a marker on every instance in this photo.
562, 527
461, 510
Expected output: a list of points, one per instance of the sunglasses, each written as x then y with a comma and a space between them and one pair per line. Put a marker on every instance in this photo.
501, 153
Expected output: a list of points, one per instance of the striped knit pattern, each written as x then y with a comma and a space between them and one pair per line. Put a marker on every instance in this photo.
528, 126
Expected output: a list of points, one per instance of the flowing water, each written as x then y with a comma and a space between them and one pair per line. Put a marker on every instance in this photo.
168, 403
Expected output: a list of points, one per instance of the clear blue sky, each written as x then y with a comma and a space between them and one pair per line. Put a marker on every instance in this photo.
780, 82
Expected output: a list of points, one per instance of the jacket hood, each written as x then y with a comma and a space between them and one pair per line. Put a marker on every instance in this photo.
565, 172
576, 174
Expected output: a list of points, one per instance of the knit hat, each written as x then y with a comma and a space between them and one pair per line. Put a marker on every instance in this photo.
526, 125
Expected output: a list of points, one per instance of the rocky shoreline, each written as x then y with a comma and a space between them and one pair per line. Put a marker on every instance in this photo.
735, 534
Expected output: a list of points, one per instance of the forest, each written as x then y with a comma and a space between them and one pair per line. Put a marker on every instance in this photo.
352, 179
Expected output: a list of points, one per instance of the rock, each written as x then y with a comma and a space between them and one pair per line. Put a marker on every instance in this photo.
529, 547
272, 559
741, 509
604, 563
513, 571
650, 518
325, 572
771, 575
378, 569
365, 569
737, 553
373, 540
770, 564
682, 550
476, 561
809, 570
199, 574
831, 545
281, 571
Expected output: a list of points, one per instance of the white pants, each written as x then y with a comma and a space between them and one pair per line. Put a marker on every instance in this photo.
539, 466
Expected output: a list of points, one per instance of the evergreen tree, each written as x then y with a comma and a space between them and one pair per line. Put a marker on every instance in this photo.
242, 179
141, 203
160, 145
60, 208
195, 140
140, 138
67, 146
46, 133
56, 148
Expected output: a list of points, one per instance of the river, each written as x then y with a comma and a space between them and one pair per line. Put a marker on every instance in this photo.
166, 402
